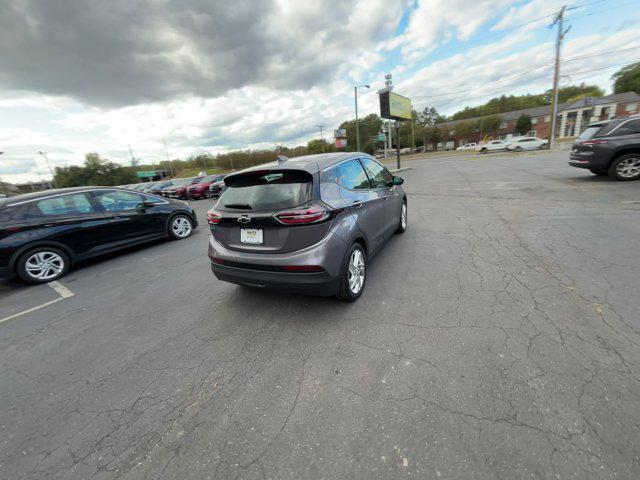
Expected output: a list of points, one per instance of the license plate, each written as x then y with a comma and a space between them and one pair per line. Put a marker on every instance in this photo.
251, 235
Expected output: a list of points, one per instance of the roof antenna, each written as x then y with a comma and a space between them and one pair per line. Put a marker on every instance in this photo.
282, 159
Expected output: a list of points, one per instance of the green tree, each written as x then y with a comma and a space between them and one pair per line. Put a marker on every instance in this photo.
369, 127
523, 124
627, 79
429, 116
491, 124
95, 171
318, 145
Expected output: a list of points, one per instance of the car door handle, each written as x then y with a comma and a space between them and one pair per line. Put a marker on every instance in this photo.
357, 204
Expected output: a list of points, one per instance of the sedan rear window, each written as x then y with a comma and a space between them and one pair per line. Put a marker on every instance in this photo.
273, 190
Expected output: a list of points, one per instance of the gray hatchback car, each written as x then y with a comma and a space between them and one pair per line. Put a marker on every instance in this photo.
306, 225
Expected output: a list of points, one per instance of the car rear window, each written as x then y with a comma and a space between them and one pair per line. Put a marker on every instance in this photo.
589, 132
264, 191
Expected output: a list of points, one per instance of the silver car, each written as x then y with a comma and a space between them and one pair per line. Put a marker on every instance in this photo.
306, 225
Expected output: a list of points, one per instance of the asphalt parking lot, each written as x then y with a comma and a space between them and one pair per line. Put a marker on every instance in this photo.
496, 339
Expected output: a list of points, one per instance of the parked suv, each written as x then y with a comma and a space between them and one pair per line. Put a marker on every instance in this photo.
43, 233
610, 148
309, 224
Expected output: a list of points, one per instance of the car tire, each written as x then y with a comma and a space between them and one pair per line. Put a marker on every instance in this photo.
626, 167
180, 226
42, 265
518, 149
600, 173
208, 194
404, 218
351, 288
483, 150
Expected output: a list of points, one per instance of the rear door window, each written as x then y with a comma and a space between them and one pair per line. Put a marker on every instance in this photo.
351, 175
117, 200
76, 203
264, 191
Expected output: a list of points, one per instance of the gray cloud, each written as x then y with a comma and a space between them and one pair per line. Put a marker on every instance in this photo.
122, 52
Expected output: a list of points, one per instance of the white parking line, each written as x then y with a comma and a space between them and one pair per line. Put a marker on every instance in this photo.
60, 289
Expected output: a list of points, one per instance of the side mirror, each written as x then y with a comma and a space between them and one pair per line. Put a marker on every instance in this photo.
146, 204
398, 180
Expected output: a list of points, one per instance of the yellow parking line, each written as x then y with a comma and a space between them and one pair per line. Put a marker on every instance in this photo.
60, 289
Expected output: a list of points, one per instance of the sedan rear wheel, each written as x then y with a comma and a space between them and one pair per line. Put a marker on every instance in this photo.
354, 276
43, 265
626, 167
180, 227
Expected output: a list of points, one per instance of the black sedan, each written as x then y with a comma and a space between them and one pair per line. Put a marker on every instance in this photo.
42, 234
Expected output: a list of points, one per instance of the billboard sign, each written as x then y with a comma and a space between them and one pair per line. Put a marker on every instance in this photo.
341, 143
394, 106
340, 133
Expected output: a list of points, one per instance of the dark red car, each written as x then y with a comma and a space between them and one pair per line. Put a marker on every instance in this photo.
201, 189
179, 187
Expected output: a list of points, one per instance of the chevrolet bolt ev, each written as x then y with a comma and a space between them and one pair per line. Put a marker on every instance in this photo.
306, 225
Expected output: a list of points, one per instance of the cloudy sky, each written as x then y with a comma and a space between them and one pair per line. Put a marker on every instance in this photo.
211, 75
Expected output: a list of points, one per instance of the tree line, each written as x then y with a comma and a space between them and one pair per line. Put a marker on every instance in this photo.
426, 128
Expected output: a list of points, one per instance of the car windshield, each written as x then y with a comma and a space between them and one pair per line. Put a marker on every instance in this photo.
589, 132
267, 191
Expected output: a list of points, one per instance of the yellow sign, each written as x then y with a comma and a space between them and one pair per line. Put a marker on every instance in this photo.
399, 106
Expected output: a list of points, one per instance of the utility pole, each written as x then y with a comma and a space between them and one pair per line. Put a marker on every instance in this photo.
355, 94
44, 154
321, 127
413, 136
166, 152
388, 83
558, 20
4, 185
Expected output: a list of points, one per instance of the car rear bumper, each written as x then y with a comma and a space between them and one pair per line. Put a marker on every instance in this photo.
320, 283
265, 269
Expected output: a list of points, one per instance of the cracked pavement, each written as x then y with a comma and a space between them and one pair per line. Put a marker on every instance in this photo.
496, 339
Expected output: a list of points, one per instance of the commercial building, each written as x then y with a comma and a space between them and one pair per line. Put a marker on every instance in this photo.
573, 118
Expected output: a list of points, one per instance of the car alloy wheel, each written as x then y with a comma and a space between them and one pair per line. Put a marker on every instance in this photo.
402, 225
356, 271
628, 168
181, 227
44, 265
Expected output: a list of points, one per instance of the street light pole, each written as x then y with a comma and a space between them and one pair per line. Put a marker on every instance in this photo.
355, 94
6, 187
44, 154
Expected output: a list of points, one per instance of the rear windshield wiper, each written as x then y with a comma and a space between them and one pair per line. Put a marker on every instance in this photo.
243, 206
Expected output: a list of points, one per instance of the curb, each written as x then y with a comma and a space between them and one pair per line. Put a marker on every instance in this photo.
398, 170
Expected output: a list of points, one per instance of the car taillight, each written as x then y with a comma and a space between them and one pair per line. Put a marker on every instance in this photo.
302, 268
589, 143
214, 217
303, 216
217, 260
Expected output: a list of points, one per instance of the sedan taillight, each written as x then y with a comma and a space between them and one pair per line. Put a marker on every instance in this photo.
214, 217
303, 216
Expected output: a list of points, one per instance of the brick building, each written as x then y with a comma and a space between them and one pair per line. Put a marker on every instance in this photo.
573, 118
